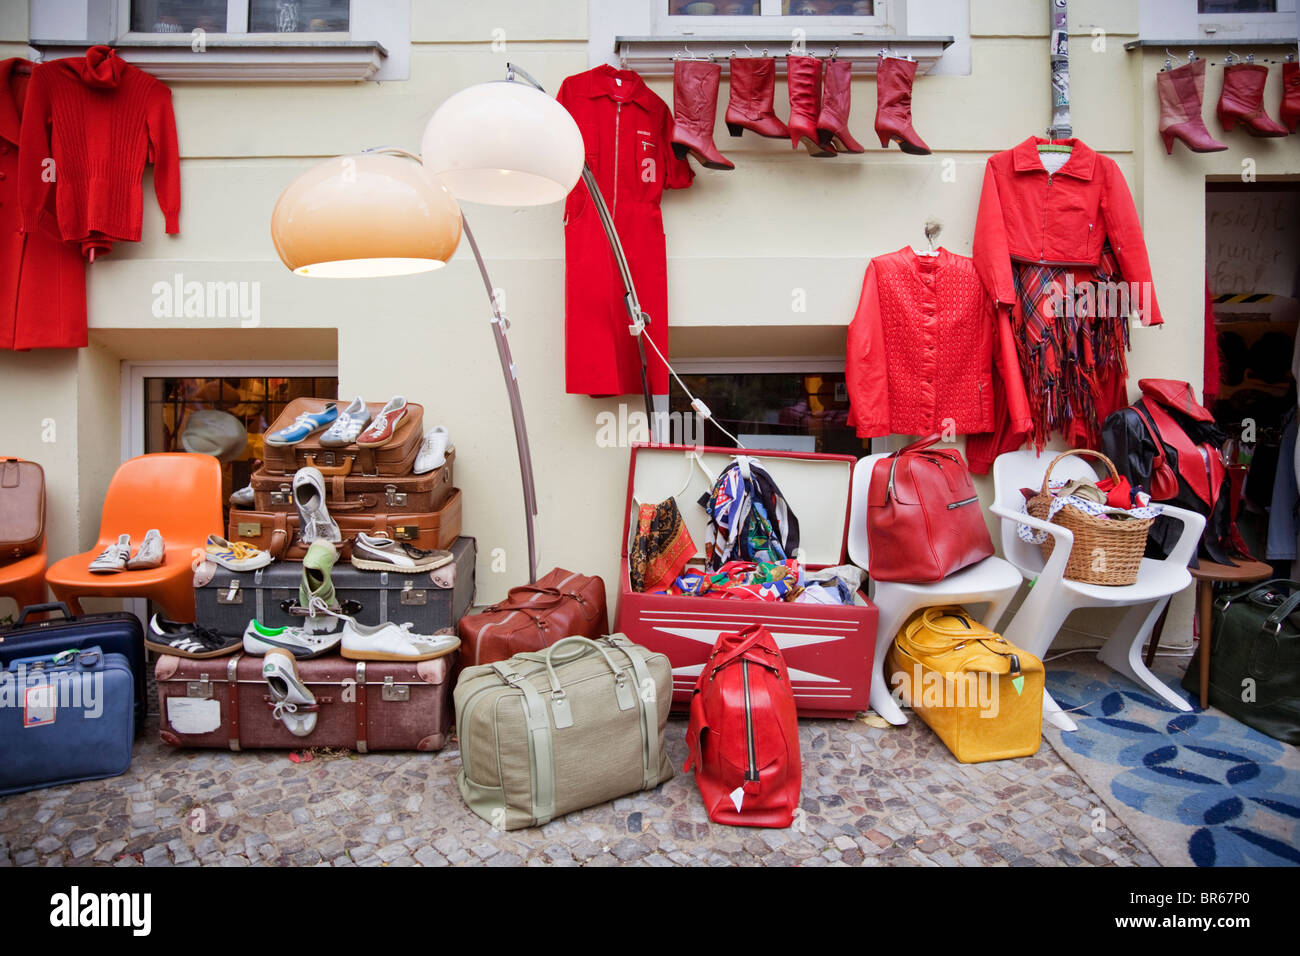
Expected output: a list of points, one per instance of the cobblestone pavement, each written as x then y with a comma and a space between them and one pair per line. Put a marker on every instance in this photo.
872, 796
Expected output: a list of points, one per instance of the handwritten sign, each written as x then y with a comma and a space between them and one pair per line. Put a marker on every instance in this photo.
1252, 242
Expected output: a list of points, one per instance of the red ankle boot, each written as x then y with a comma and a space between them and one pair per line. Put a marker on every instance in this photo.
833, 121
803, 75
894, 77
1242, 100
695, 109
1181, 92
1289, 114
753, 95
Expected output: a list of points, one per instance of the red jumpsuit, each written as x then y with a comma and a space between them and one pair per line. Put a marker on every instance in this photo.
627, 130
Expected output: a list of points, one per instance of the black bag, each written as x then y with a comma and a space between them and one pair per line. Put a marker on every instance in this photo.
1255, 658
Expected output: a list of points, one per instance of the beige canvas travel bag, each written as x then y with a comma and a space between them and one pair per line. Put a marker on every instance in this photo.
549, 732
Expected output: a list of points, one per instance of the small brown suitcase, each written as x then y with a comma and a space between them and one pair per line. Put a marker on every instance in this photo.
395, 458
22, 508
534, 616
361, 493
363, 705
277, 531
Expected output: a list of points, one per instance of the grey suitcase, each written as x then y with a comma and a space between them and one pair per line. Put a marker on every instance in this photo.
432, 602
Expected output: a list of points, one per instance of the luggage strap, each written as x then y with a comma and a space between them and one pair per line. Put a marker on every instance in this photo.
647, 699
541, 748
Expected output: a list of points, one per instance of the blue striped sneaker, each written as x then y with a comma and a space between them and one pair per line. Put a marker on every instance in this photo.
304, 425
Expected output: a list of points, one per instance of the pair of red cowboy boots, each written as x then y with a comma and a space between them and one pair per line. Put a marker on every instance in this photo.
1181, 91
819, 110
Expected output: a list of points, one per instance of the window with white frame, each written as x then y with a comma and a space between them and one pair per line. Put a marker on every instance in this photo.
240, 16
1219, 20
719, 16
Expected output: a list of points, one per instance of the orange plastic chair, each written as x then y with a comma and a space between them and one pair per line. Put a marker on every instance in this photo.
177, 493
24, 579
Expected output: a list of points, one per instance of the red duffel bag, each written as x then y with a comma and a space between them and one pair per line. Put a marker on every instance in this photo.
744, 734
923, 516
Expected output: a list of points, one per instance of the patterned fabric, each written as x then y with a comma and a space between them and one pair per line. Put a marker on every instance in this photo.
1098, 510
661, 548
742, 580
748, 517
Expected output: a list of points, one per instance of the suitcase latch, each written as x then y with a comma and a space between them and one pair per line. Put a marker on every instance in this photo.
249, 529
406, 532
282, 497
411, 595
394, 497
392, 691
201, 688
230, 594
329, 458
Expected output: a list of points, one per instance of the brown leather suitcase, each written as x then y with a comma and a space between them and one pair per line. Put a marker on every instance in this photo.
395, 458
22, 508
561, 604
363, 705
277, 531
355, 493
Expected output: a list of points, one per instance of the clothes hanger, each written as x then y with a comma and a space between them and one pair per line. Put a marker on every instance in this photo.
1051, 146
692, 459
932, 229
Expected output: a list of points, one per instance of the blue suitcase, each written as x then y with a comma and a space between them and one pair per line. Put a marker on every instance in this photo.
65, 717
116, 633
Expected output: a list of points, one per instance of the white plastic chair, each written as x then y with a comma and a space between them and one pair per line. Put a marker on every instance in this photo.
1052, 598
992, 581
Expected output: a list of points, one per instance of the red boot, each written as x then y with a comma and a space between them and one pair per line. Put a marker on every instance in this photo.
894, 77
695, 109
1181, 92
753, 94
1289, 114
1242, 100
803, 74
833, 121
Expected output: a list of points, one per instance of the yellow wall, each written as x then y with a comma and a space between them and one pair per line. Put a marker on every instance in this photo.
739, 244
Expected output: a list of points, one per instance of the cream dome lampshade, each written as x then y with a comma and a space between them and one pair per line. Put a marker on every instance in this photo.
503, 144
371, 214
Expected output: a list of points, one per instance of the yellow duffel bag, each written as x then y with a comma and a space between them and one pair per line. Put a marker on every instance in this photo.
981, 695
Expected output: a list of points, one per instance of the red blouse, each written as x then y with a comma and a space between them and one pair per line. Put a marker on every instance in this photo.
923, 347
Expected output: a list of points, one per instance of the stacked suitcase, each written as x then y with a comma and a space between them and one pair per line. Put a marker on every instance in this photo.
364, 705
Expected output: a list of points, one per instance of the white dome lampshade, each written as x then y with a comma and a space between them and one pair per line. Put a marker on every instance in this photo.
504, 144
371, 214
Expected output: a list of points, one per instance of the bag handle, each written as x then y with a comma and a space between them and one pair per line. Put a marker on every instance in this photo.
556, 689
329, 471
751, 635
1287, 607
1078, 451
919, 445
42, 609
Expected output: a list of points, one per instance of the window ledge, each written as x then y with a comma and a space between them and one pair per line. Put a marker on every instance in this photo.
1212, 42
227, 60
653, 56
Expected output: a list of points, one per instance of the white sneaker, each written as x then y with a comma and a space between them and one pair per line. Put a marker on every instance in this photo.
377, 553
259, 640
314, 519
235, 555
150, 554
433, 451
291, 695
113, 558
243, 498
389, 642
347, 426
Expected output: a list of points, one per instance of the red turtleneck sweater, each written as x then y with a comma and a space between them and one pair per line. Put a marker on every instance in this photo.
99, 119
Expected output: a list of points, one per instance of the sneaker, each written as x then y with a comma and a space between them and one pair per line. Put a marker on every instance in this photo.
113, 558
347, 426
391, 642
316, 590
150, 554
235, 556
433, 451
187, 640
381, 429
375, 553
295, 705
314, 519
303, 425
259, 639
243, 498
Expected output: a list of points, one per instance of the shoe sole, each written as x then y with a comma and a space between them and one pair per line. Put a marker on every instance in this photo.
382, 656
175, 652
107, 570
144, 567
233, 567
258, 647
375, 444
364, 565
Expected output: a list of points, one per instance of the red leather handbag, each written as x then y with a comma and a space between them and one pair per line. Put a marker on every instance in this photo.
744, 733
923, 516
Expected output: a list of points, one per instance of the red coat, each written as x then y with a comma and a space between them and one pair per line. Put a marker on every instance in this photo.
1062, 218
924, 347
628, 132
42, 278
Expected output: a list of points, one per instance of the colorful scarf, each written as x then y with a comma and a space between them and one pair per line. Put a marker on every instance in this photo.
741, 580
661, 547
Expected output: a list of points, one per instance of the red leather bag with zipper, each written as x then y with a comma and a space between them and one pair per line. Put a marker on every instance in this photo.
924, 519
534, 616
744, 733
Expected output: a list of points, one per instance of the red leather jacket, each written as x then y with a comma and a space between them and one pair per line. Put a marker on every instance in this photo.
1060, 218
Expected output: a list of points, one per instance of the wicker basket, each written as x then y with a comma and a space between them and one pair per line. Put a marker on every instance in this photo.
1105, 551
